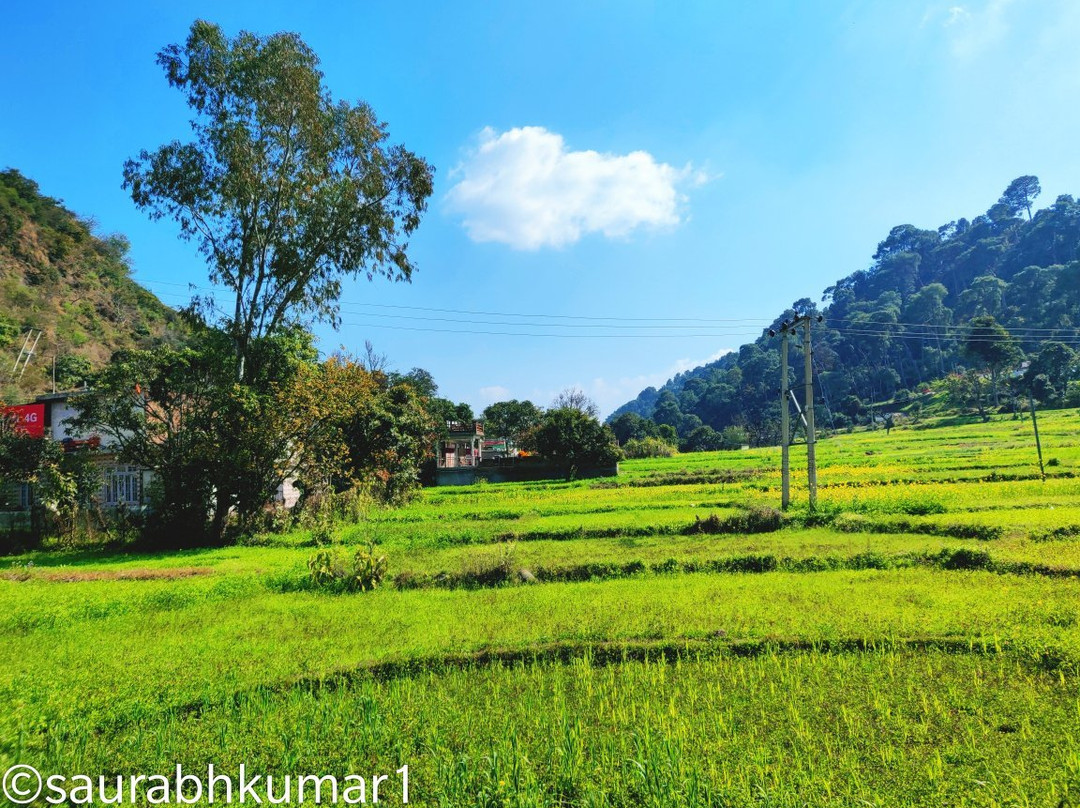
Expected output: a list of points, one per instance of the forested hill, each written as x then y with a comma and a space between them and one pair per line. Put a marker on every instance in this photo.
56, 277
904, 321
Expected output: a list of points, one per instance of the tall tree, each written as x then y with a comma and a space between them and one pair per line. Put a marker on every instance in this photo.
285, 191
511, 419
1021, 194
1056, 362
573, 439
992, 346
574, 398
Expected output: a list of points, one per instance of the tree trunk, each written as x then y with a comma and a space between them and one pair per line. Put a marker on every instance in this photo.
978, 397
221, 513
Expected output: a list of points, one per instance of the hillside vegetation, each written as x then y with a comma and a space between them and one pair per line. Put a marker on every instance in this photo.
663, 639
906, 321
59, 278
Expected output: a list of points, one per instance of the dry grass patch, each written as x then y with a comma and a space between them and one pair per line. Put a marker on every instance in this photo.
73, 577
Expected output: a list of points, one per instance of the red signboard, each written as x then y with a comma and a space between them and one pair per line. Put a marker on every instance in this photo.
29, 418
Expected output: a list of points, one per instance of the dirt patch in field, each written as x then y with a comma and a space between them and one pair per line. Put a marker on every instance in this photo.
71, 576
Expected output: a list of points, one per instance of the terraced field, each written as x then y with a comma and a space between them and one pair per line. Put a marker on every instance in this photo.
666, 638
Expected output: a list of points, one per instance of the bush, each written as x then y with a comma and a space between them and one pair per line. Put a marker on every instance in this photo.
702, 439
965, 559
334, 571
759, 519
648, 447
747, 563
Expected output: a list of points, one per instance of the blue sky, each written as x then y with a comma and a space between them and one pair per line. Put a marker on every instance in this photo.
623, 189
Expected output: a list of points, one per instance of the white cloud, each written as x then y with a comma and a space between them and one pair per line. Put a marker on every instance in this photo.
956, 14
682, 365
525, 189
975, 30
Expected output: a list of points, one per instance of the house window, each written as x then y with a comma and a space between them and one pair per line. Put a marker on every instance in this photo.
122, 486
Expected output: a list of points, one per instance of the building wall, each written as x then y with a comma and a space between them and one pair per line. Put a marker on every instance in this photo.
59, 411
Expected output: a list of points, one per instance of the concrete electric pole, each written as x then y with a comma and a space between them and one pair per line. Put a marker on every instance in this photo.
785, 424
786, 329
811, 461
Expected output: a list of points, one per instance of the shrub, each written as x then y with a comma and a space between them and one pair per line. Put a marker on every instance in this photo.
920, 506
334, 571
965, 559
703, 439
758, 519
648, 447
747, 563
667, 566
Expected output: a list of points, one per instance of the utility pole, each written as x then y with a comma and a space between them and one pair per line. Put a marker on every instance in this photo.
811, 462
785, 424
1038, 443
786, 329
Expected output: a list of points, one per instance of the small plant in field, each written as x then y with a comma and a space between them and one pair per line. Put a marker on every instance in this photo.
322, 533
492, 568
334, 571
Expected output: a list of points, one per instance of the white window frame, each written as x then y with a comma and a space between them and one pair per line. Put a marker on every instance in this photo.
121, 486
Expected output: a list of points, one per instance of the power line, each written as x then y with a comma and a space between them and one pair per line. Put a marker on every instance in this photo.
555, 335
471, 312
648, 327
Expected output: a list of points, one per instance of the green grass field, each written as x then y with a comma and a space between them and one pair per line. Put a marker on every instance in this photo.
916, 641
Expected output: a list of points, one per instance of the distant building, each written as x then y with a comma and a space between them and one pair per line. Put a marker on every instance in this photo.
122, 485
498, 449
464, 456
462, 447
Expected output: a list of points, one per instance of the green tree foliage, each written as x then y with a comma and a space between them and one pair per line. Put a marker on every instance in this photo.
991, 346
511, 419
735, 437
1055, 364
631, 426
388, 437
360, 428
702, 439
216, 447
71, 371
962, 390
1020, 195
573, 439
900, 324
443, 410
648, 447
420, 380
220, 449
285, 191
